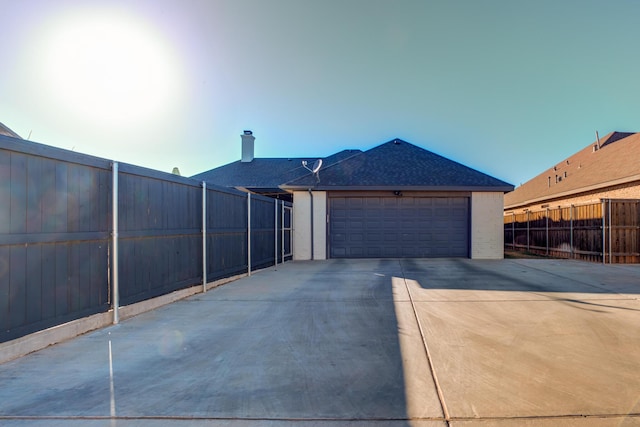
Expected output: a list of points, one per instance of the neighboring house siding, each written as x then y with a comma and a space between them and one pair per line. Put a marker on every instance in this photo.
487, 239
302, 225
605, 169
623, 191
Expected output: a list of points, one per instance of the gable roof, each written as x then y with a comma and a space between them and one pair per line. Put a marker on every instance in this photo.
265, 173
616, 161
8, 132
396, 165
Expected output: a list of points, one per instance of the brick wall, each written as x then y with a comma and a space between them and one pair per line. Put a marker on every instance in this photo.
624, 191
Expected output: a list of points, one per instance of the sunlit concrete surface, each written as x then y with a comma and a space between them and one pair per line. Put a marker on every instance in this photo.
531, 338
419, 343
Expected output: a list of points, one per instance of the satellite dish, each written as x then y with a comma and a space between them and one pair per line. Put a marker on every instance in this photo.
316, 166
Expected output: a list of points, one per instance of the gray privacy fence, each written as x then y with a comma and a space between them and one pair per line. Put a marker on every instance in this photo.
607, 232
80, 235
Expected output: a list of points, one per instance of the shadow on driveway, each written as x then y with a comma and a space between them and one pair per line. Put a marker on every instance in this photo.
345, 343
313, 342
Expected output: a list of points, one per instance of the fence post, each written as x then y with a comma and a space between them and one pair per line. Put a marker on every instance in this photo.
249, 234
114, 258
610, 240
204, 236
275, 231
571, 231
547, 230
604, 240
282, 211
528, 215
513, 231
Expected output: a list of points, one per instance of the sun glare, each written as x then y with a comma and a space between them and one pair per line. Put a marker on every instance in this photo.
109, 69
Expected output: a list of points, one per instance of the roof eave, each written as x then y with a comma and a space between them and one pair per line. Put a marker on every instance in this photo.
593, 187
493, 189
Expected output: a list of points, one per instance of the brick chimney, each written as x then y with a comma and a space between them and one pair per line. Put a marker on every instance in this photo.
247, 146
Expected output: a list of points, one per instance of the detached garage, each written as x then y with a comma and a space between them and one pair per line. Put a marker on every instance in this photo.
397, 200
402, 226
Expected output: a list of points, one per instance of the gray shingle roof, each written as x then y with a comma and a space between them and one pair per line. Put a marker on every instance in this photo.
265, 173
398, 164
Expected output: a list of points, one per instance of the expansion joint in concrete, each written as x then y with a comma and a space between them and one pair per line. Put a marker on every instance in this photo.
432, 368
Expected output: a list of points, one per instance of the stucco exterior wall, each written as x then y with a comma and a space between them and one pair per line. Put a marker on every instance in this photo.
487, 234
302, 225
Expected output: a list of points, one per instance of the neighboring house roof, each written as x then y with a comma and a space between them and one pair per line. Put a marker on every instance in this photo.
265, 173
615, 162
397, 165
8, 132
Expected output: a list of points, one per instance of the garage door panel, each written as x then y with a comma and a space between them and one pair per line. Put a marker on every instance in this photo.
339, 252
412, 227
408, 237
373, 225
356, 252
355, 238
339, 237
376, 238
371, 202
354, 224
355, 202
375, 252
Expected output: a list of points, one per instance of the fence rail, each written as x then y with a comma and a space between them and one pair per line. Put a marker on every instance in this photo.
607, 232
81, 235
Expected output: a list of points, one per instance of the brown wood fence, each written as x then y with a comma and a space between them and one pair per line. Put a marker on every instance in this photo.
607, 232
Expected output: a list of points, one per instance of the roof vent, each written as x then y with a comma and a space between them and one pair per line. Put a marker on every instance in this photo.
396, 142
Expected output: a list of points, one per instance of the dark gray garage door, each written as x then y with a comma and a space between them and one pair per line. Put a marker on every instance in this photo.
398, 227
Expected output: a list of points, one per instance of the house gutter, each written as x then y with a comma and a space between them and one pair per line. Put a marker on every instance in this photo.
503, 188
312, 233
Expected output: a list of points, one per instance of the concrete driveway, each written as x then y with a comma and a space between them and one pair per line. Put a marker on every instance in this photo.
424, 343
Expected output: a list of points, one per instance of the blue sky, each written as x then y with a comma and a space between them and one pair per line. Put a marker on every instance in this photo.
507, 87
